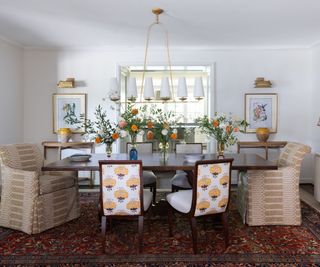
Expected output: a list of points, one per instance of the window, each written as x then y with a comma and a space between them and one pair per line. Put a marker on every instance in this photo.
189, 109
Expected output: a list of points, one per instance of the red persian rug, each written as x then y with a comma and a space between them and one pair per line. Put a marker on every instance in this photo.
78, 243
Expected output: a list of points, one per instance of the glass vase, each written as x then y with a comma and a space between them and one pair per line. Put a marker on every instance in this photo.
164, 150
220, 149
133, 153
109, 149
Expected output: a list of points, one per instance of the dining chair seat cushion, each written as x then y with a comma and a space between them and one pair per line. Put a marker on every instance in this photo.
148, 177
181, 180
181, 200
51, 183
147, 199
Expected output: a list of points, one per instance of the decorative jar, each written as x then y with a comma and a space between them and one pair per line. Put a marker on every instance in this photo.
262, 134
64, 135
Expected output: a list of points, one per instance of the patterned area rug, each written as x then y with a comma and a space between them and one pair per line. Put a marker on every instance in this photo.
78, 243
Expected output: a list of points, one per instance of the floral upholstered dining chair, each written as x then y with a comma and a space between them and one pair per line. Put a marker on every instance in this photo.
122, 195
209, 196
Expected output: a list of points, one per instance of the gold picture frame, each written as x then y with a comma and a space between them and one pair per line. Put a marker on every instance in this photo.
67, 108
261, 110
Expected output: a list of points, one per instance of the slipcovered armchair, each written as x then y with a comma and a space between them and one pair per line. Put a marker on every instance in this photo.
33, 201
271, 197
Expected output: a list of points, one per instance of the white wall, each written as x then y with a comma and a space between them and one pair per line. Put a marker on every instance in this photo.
315, 115
236, 70
11, 93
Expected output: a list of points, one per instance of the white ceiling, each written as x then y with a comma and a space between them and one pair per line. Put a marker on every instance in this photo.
204, 23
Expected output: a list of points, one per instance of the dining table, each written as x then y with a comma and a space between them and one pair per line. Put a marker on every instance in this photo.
153, 162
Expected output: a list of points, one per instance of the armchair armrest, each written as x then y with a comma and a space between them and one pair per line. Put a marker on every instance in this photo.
21, 181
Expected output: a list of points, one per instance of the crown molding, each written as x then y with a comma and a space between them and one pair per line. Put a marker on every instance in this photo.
172, 48
11, 42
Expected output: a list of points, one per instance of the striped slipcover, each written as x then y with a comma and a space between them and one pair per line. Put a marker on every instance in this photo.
271, 197
32, 201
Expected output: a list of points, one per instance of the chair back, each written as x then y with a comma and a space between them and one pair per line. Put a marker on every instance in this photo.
212, 191
189, 148
27, 157
121, 188
142, 147
292, 155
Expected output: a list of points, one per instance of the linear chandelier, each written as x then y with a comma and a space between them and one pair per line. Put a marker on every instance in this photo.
147, 88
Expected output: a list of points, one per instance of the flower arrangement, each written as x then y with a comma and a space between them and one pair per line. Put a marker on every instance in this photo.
101, 128
159, 126
222, 127
132, 122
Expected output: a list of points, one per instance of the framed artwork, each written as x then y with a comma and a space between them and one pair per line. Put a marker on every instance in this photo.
67, 109
261, 111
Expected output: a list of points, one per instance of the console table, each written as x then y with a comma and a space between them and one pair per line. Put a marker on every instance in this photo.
266, 145
60, 146
71, 145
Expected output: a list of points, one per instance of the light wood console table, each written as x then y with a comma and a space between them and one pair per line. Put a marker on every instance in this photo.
69, 145
60, 146
266, 145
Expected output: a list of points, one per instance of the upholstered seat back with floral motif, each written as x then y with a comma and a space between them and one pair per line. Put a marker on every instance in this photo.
121, 189
213, 182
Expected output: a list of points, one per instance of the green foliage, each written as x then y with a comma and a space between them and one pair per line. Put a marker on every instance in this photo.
222, 127
101, 128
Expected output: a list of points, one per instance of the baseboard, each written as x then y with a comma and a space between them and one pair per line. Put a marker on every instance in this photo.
306, 180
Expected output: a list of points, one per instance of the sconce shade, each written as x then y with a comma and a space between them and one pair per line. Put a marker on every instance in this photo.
182, 89
132, 93
148, 89
114, 89
165, 92
198, 92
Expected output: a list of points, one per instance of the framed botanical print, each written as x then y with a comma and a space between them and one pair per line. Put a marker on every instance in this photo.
261, 111
67, 110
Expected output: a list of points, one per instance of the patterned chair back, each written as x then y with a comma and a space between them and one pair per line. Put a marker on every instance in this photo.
121, 188
212, 193
292, 155
190, 148
142, 147
27, 157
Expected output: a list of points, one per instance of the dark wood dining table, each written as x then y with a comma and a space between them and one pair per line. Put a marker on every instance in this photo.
242, 162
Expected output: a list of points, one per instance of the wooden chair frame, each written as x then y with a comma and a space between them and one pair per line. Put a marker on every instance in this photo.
106, 222
190, 214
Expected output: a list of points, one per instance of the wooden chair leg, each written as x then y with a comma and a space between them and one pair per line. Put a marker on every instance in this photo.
140, 229
170, 220
225, 228
154, 191
193, 225
103, 232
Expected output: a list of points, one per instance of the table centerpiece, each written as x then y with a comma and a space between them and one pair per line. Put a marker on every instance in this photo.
132, 122
223, 128
102, 130
160, 126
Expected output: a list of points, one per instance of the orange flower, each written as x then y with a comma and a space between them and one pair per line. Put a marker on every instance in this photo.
228, 129
236, 129
98, 140
134, 128
149, 124
115, 136
173, 136
215, 123
134, 111
149, 135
